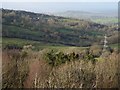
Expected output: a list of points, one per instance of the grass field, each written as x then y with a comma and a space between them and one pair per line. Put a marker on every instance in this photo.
106, 20
115, 45
39, 45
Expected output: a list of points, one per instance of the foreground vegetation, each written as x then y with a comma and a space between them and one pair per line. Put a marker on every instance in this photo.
51, 68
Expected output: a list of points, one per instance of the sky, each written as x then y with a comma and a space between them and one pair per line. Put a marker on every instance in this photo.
59, 0
43, 7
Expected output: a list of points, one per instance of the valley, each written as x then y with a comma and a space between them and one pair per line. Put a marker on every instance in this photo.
51, 51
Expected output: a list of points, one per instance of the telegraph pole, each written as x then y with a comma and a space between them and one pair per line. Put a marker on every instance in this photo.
105, 42
105, 46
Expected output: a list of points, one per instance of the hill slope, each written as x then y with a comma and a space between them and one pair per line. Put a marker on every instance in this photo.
51, 29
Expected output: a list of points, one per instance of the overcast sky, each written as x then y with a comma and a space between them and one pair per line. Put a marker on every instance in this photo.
59, 0
62, 6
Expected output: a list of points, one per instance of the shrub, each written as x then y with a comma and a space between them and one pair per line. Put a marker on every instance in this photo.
72, 74
96, 50
14, 68
56, 58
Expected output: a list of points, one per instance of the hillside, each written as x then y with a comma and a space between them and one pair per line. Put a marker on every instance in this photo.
52, 29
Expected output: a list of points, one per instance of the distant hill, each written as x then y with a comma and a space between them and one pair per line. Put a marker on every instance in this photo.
102, 18
51, 29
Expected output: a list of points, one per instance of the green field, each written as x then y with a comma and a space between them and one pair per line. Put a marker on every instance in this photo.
38, 45
106, 20
20, 42
115, 45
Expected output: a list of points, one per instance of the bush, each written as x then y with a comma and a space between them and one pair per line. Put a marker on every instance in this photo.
14, 69
56, 58
35, 72
96, 50
90, 57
